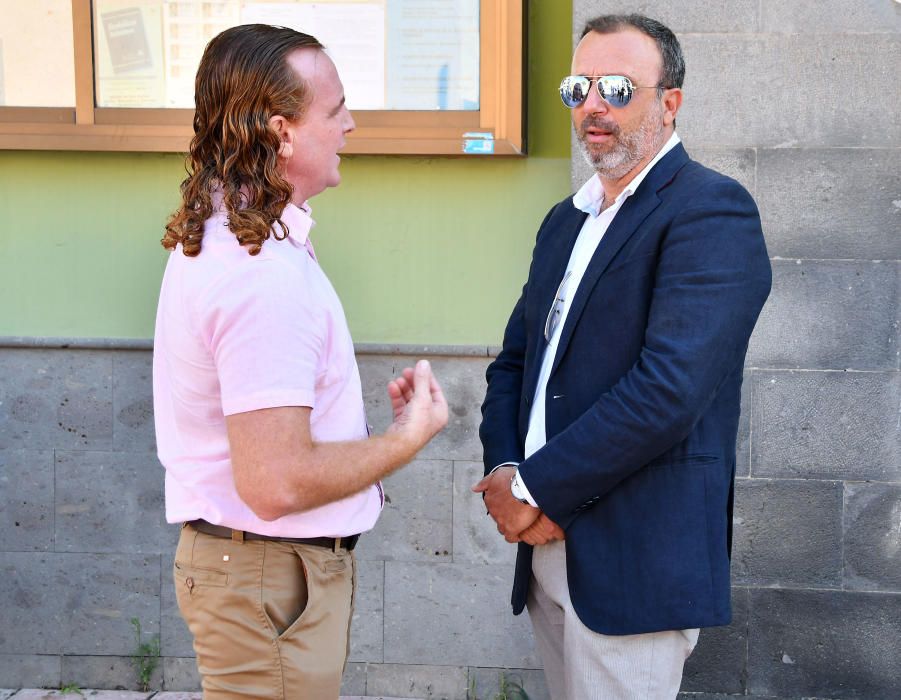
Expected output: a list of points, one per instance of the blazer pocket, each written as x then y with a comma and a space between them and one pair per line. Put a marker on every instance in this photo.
697, 460
642, 258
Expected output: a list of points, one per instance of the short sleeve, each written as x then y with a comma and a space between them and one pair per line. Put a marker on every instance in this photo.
266, 335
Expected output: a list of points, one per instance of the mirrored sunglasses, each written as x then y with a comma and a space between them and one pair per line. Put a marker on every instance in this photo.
615, 90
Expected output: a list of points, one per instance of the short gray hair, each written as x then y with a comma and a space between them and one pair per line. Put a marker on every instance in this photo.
670, 51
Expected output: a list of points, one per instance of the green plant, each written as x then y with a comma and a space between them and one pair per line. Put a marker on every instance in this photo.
146, 656
507, 689
70, 688
510, 689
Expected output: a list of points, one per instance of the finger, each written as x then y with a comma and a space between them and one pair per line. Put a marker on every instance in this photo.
395, 394
405, 387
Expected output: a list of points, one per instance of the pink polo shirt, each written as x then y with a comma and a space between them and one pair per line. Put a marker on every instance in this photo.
237, 333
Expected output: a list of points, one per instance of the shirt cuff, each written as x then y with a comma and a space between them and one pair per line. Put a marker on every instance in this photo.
503, 464
525, 491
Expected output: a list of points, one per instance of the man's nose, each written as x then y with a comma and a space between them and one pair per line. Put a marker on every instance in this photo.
349, 124
594, 103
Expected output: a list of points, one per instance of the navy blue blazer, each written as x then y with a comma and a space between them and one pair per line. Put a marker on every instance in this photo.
643, 398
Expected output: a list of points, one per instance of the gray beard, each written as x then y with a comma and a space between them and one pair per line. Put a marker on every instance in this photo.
628, 151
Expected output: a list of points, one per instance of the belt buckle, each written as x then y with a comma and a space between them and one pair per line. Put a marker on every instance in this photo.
238, 536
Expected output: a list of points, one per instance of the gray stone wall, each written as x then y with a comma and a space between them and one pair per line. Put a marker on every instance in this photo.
84, 546
799, 100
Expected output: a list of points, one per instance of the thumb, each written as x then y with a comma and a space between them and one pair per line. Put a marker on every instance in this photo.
422, 377
482, 485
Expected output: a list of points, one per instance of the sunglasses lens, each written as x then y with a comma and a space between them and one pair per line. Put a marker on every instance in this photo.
617, 90
574, 90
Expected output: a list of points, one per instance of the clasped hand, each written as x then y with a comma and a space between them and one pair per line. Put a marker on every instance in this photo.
516, 521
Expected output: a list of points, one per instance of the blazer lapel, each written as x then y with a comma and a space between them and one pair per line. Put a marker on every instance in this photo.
558, 252
627, 220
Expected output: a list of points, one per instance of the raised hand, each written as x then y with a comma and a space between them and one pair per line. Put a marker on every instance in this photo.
419, 406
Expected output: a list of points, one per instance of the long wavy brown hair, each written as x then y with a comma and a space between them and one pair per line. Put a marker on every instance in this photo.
243, 80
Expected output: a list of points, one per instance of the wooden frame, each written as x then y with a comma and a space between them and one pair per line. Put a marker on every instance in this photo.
497, 128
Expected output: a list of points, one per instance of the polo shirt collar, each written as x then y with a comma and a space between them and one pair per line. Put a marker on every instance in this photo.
299, 221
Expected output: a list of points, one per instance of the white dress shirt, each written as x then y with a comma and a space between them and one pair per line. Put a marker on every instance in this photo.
590, 199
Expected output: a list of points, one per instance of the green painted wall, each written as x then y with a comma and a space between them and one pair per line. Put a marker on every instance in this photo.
421, 250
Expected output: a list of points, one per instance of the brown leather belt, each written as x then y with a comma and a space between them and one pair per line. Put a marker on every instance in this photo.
333, 543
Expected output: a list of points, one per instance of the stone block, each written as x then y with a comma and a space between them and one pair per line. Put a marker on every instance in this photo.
56, 399
177, 695
688, 16
724, 696
787, 533
468, 612
830, 17
404, 681
415, 524
488, 683
743, 439
175, 637
719, 662
76, 603
803, 91
830, 315
180, 674
110, 502
739, 164
26, 517
27, 670
830, 644
873, 537
367, 626
476, 539
36, 694
6, 693
831, 202
463, 382
133, 429
826, 425
106, 672
354, 680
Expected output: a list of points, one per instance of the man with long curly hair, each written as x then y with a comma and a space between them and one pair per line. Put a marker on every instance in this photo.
259, 412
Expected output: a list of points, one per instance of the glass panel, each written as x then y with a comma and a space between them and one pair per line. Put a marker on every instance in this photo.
391, 54
37, 62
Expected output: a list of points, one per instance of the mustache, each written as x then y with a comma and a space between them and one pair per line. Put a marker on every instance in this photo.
599, 123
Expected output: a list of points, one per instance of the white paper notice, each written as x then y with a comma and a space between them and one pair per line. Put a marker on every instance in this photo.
353, 33
433, 54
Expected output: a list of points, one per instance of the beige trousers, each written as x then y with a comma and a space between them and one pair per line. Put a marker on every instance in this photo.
269, 619
580, 664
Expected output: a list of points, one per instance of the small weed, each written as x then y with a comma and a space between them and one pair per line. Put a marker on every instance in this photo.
146, 656
508, 689
70, 688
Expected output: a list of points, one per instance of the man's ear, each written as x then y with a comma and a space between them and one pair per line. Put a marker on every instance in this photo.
280, 126
672, 100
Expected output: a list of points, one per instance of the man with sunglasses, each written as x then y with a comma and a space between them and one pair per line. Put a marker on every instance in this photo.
609, 425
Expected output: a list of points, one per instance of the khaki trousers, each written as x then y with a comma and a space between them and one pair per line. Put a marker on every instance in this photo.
579, 663
269, 619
